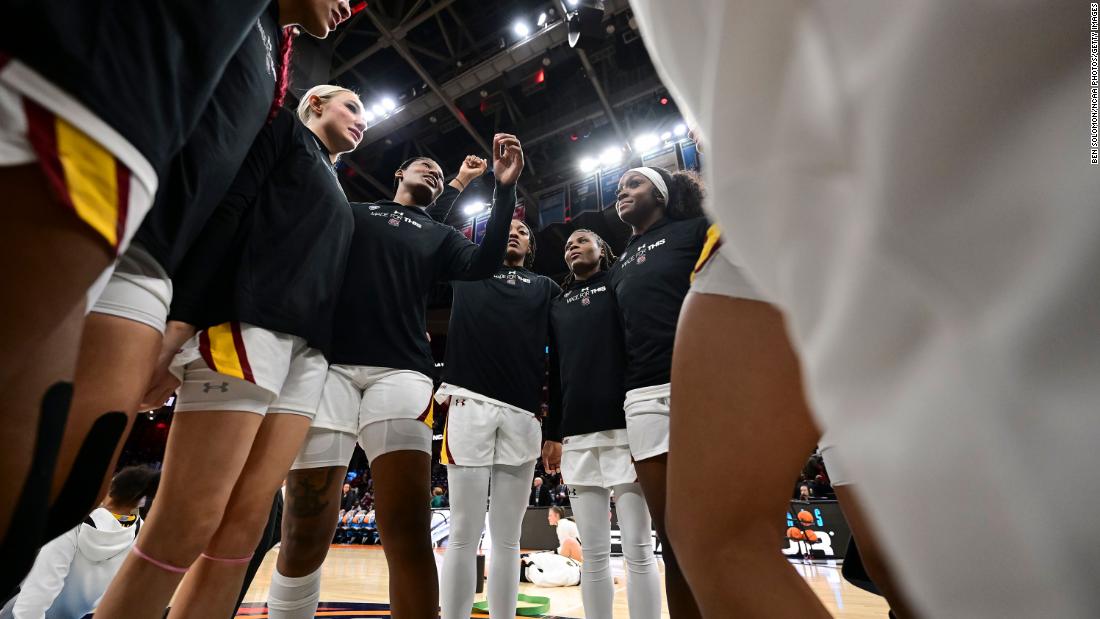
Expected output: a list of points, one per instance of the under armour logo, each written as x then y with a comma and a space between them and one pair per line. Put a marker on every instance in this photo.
573, 492
460, 401
208, 387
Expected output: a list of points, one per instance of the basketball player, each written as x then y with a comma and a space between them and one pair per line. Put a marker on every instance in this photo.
252, 381
493, 374
650, 281
379, 388
122, 333
93, 105
588, 363
936, 262
569, 544
768, 426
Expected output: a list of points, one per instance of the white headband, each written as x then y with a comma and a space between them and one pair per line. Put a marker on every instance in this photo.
654, 177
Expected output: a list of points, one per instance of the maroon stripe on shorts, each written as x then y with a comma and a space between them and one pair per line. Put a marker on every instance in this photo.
42, 134
204, 350
242, 354
122, 179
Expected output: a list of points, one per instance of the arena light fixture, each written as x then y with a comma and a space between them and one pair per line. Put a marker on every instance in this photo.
584, 22
474, 208
680, 130
611, 156
646, 141
377, 109
388, 104
542, 20
666, 136
521, 29
368, 116
588, 164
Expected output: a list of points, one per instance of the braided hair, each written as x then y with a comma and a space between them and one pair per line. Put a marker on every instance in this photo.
282, 80
529, 259
607, 257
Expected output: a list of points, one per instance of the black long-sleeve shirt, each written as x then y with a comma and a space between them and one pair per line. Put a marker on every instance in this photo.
651, 280
497, 337
398, 252
145, 68
281, 235
200, 174
587, 361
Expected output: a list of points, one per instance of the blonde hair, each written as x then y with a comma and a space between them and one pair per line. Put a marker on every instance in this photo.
324, 92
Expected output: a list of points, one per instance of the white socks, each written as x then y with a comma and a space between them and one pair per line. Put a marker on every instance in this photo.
294, 598
643, 587
469, 491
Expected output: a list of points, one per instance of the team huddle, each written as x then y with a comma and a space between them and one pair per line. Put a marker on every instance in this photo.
292, 325
898, 270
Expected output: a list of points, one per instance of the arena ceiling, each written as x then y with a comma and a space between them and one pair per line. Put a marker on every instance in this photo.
444, 75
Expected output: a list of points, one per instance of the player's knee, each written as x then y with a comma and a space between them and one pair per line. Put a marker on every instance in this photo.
402, 540
638, 553
305, 547
596, 565
241, 528
190, 535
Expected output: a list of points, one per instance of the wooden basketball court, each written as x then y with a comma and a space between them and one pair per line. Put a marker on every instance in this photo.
358, 575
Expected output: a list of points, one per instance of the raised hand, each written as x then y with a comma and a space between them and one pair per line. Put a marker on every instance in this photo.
471, 168
507, 158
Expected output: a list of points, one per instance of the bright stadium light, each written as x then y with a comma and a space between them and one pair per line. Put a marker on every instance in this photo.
646, 141
611, 156
542, 20
368, 116
587, 164
521, 29
377, 109
473, 208
680, 129
573, 2
666, 136
388, 104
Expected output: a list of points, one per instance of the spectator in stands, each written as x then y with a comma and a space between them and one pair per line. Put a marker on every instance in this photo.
349, 497
805, 493
561, 495
540, 494
438, 500
569, 544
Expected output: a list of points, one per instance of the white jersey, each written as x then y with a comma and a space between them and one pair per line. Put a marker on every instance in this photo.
911, 184
567, 529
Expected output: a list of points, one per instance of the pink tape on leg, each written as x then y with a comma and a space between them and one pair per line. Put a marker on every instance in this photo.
221, 560
161, 564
